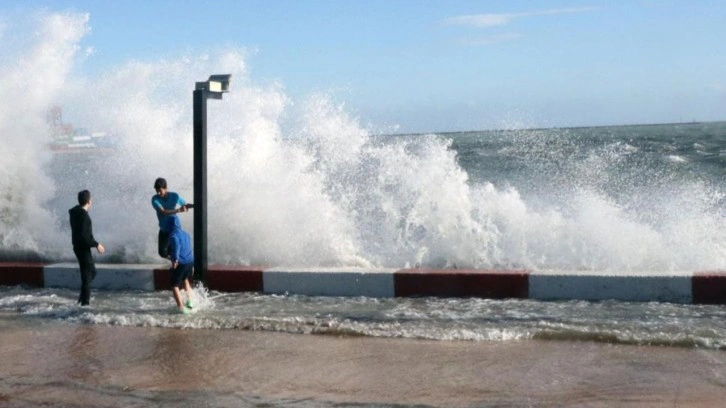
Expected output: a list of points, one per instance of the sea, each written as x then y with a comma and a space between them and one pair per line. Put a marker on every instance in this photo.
592, 199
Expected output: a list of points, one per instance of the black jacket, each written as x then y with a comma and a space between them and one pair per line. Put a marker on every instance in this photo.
81, 229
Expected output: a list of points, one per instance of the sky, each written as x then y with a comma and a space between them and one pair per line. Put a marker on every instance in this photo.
435, 66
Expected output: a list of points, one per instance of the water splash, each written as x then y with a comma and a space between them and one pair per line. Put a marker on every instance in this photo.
33, 70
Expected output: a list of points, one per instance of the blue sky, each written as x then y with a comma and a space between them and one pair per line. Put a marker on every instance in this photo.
443, 65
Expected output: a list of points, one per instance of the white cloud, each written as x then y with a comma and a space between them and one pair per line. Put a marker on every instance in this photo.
480, 20
493, 20
492, 39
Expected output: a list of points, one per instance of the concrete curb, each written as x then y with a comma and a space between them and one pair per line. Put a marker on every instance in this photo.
108, 276
641, 287
330, 281
687, 287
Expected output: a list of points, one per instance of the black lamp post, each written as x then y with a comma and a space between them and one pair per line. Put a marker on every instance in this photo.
213, 88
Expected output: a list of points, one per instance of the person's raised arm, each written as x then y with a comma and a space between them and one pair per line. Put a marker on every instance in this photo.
170, 212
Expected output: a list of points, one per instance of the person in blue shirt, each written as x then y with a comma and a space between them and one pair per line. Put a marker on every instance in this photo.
166, 203
181, 256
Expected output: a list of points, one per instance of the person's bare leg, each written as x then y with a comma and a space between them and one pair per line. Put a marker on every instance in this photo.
188, 288
177, 297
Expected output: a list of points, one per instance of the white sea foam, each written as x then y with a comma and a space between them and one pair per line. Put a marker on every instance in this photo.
419, 318
674, 158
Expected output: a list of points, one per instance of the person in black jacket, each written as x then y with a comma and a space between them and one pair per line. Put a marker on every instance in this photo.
83, 241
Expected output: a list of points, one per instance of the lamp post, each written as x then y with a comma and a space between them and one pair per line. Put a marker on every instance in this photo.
213, 88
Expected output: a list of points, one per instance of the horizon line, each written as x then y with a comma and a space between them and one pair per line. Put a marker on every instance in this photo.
448, 132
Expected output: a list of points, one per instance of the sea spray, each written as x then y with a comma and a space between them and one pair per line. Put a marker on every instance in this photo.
302, 182
33, 73
603, 198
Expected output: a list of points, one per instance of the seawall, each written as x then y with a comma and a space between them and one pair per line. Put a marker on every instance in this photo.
698, 287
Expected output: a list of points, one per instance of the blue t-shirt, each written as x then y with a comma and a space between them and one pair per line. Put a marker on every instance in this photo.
168, 203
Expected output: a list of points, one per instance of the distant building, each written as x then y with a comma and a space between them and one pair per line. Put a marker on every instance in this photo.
67, 138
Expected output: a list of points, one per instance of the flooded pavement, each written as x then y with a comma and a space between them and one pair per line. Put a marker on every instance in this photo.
51, 363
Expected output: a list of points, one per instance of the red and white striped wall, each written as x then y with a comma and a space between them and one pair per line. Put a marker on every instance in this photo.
685, 287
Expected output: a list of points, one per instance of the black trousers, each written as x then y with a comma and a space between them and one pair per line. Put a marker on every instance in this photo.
163, 244
88, 273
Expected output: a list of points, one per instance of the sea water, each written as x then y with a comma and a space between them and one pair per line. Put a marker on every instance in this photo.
438, 319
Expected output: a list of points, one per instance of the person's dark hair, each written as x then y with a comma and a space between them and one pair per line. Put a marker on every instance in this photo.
159, 183
84, 197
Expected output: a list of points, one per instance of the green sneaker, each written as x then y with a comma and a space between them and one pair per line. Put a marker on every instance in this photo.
184, 310
189, 304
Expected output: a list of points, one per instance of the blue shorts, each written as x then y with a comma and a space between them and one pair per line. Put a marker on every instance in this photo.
181, 272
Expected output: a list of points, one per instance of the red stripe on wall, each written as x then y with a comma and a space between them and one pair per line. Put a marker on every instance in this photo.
496, 284
226, 278
709, 287
162, 278
223, 278
17, 273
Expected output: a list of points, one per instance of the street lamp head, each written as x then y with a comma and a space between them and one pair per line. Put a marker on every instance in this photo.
216, 85
219, 83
